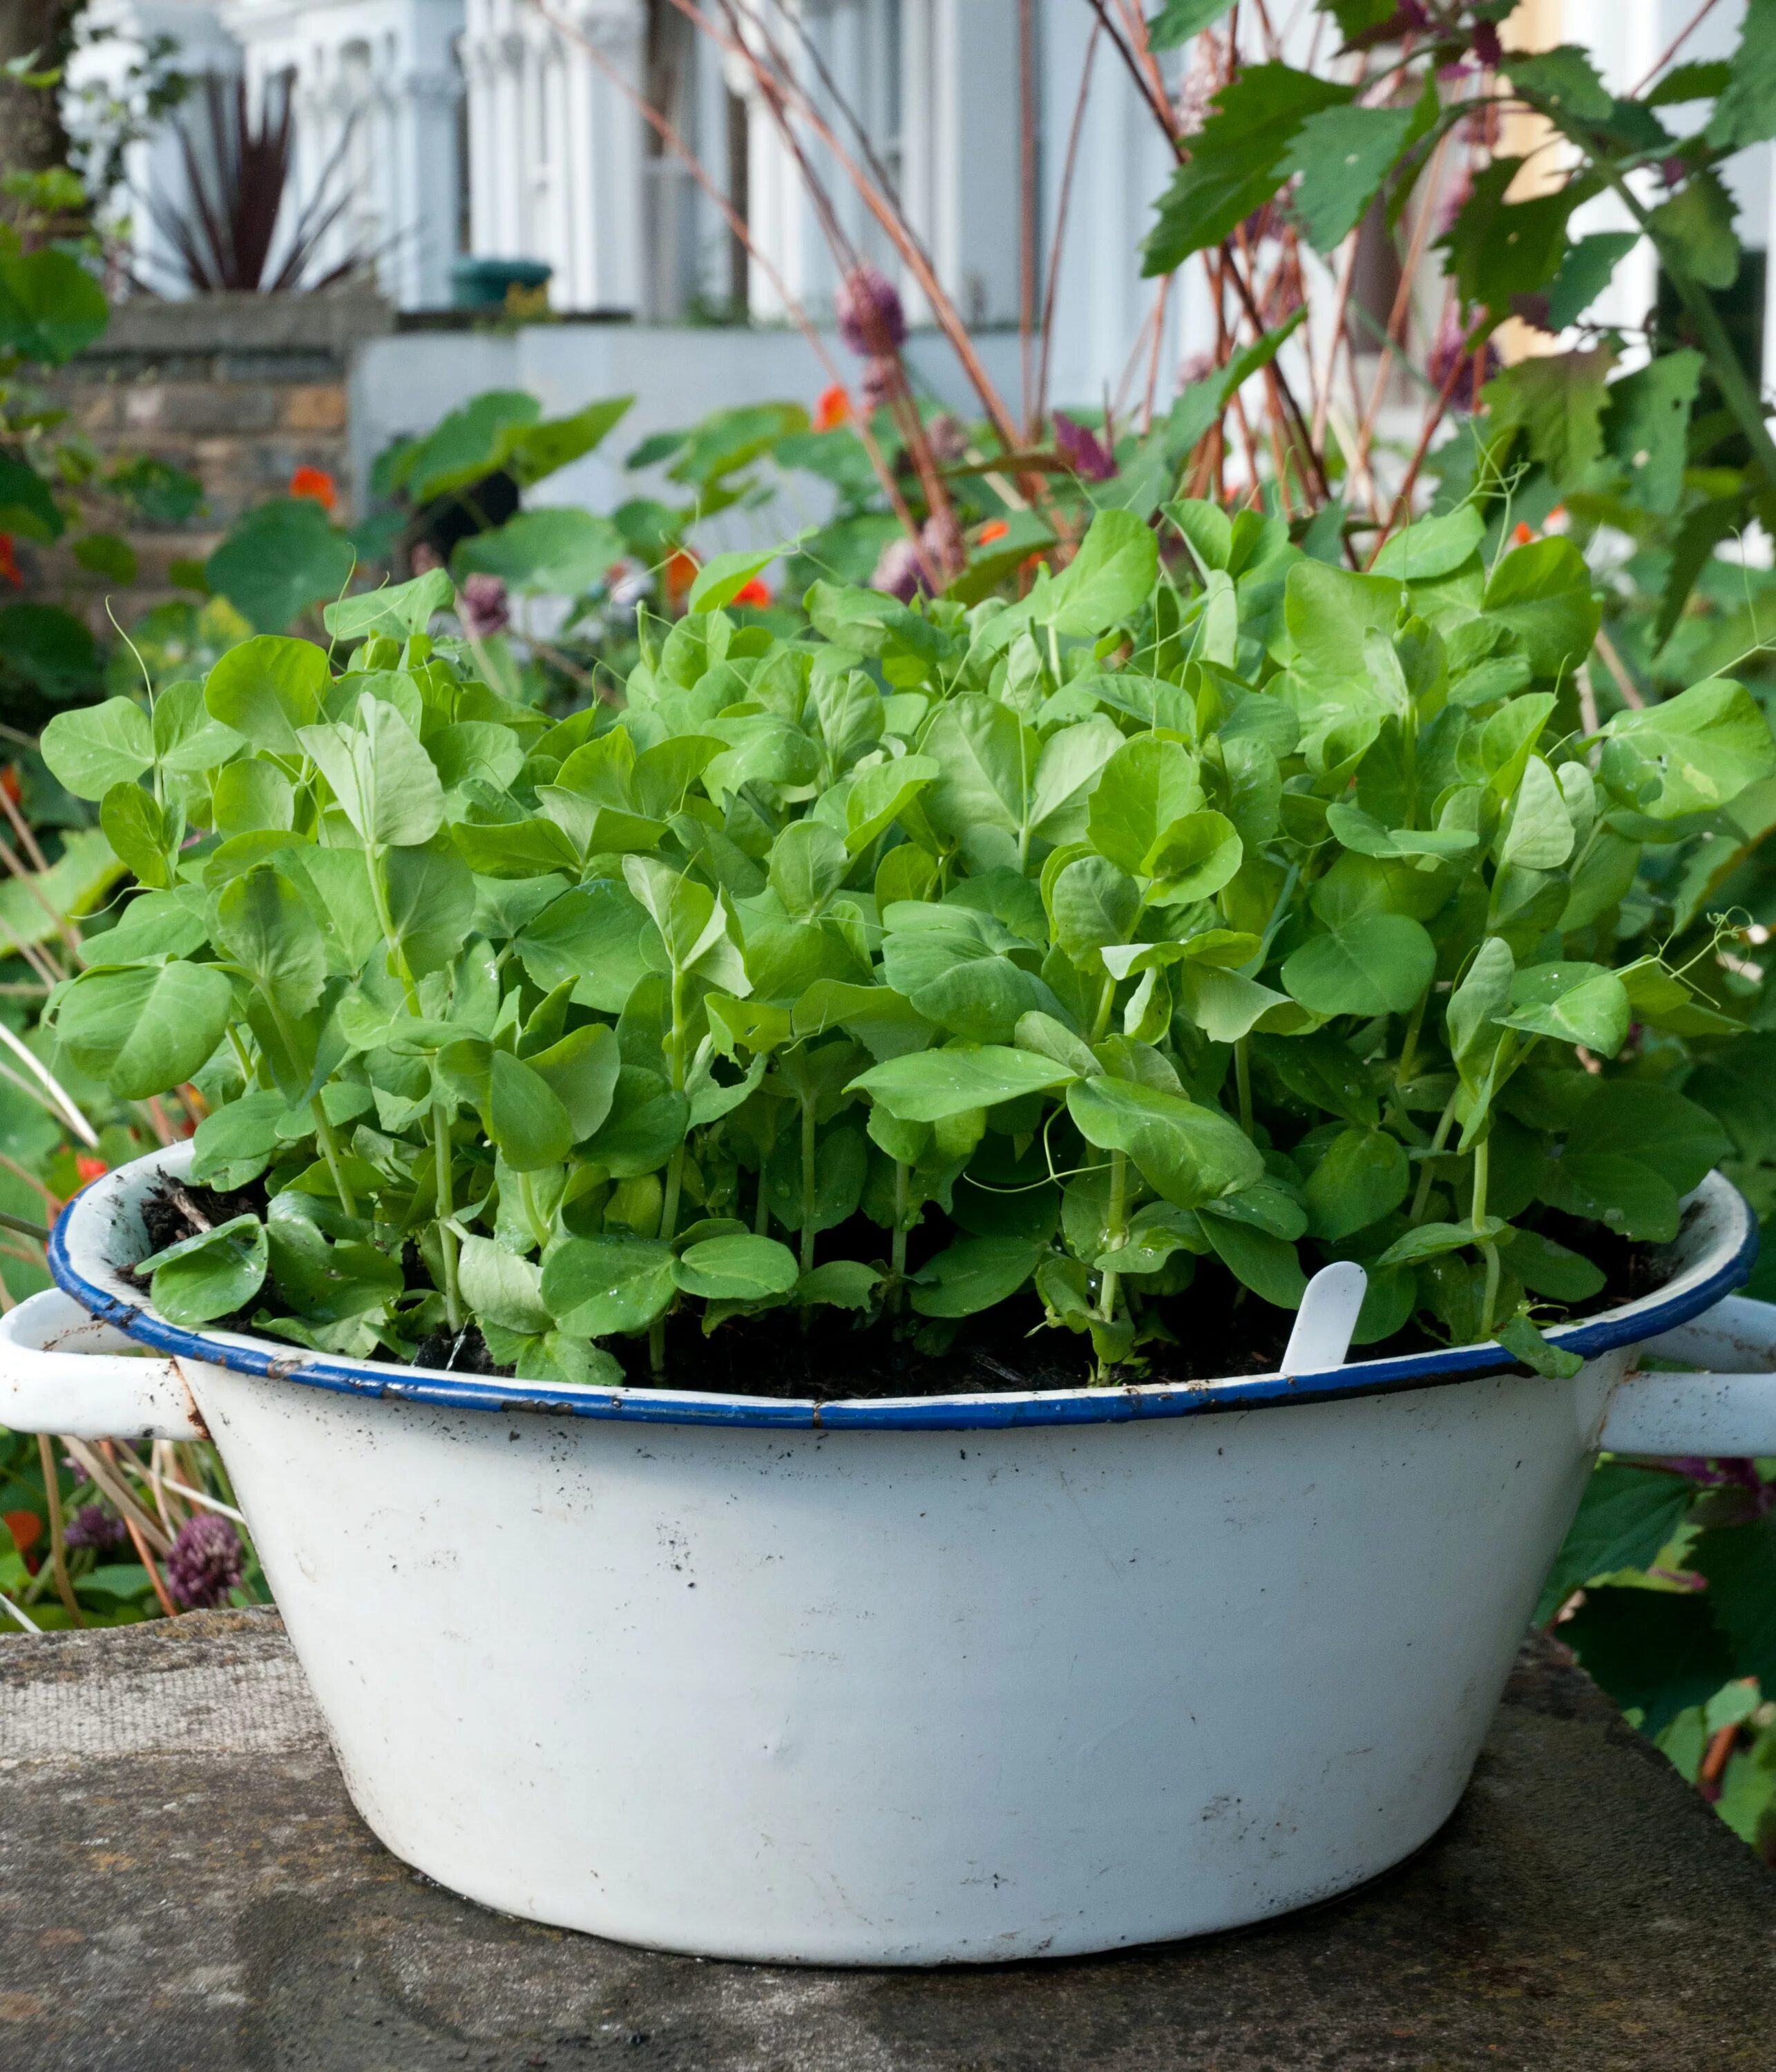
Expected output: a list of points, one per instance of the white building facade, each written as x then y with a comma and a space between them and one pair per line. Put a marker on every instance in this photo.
517, 129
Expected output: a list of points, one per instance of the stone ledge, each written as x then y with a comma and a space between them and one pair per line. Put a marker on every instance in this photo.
184, 1884
146, 329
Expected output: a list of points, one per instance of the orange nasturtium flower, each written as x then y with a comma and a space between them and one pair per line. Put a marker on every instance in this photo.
9, 568
88, 1167
754, 592
995, 528
1522, 534
834, 408
316, 484
681, 572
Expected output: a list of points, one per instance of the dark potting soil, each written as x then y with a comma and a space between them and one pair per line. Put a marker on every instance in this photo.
1218, 1329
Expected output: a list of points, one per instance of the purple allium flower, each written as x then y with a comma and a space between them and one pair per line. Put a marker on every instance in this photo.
93, 1526
868, 309
483, 607
898, 571
1083, 450
206, 1562
948, 437
877, 384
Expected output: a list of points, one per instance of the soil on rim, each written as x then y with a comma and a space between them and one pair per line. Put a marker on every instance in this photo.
1219, 1328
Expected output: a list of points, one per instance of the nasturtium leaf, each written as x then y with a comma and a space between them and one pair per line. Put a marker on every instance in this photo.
97, 746
146, 1027
1372, 964
736, 1269
209, 1275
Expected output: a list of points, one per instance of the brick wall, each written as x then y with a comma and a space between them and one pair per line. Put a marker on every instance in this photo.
238, 390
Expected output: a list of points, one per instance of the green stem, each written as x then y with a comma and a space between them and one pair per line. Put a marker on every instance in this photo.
1482, 1171
248, 1072
675, 1170
1242, 1078
1116, 1232
446, 1237
896, 1253
1107, 1000
761, 1218
1444, 1122
1403, 1071
808, 1185
329, 1151
385, 921
533, 1214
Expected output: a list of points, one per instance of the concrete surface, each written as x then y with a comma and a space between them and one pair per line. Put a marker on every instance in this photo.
183, 1885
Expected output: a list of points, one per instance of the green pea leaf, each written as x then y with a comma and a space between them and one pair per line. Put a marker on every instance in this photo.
90, 750
266, 690
1542, 593
974, 1274
1108, 581
1266, 1264
1372, 964
1363, 1175
844, 1284
263, 925
581, 1071
146, 1027
1694, 752
526, 1117
234, 1143
927, 1085
1572, 1003
1433, 1240
385, 783
210, 1275
1189, 1153
1611, 1188
395, 611
500, 1287
736, 1269
145, 836
597, 1286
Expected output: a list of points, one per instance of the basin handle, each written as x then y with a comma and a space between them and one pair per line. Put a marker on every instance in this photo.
62, 1370
1727, 1409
